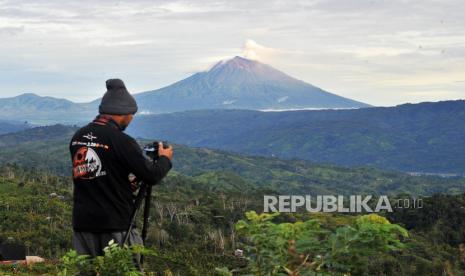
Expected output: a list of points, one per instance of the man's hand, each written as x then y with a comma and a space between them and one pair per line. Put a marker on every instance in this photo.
165, 152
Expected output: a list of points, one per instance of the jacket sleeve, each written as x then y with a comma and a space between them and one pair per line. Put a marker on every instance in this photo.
143, 168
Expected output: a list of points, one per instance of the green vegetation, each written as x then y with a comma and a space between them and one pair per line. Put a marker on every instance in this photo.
198, 216
304, 247
115, 261
189, 218
35, 210
196, 225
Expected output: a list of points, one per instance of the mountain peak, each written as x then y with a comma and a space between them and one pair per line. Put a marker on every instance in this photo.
236, 63
239, 70
28, 95
242, 60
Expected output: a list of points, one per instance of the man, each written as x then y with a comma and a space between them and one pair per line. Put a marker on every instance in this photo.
103, 159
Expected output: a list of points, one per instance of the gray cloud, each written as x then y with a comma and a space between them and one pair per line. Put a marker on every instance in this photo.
9, 31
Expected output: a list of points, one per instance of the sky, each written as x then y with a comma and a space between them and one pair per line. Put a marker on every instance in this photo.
380, 52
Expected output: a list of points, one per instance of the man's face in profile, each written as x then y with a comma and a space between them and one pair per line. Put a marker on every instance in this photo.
126, 120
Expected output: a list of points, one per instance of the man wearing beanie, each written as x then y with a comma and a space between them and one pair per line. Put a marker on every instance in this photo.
104, 158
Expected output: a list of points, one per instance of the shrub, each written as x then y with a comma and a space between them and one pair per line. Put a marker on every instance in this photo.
306, 247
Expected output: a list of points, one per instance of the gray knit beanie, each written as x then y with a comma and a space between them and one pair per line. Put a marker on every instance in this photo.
117, 100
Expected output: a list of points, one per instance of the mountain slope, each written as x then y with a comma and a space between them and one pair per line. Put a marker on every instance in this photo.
427, 137
240, 83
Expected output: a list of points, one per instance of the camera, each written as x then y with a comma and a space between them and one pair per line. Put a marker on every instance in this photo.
151, 150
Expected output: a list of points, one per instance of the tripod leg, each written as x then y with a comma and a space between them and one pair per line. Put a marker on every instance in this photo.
145, 226
137, 203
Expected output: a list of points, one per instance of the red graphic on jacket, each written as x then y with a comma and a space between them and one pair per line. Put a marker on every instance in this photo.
86, 164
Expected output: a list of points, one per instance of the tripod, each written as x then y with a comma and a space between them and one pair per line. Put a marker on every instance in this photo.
145, 192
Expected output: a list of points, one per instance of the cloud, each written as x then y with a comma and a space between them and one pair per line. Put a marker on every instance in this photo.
255, 51
381, 52
9, 31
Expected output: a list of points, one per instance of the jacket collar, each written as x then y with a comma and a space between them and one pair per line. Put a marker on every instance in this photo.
106, 120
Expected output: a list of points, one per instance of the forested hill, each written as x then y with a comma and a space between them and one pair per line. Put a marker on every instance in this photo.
46, 149
426, 137
12, 126
37, 134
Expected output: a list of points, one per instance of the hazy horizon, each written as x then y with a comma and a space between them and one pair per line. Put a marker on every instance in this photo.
382, 53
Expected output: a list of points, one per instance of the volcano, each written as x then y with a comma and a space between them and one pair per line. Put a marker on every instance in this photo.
240, 83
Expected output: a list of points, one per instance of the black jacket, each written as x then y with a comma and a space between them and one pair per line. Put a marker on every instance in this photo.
103, 156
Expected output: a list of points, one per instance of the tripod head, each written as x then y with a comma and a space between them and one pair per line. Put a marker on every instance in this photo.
151, 150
